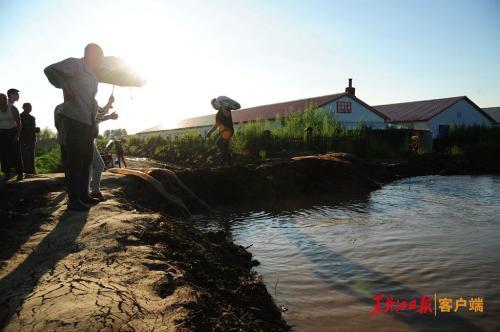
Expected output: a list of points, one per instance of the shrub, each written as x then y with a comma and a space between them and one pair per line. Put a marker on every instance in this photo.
49, 162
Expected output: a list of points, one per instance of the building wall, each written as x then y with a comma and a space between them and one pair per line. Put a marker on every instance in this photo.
174, 132
462, 113
358, 113
417, 125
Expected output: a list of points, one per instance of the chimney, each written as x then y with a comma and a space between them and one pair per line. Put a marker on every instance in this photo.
350, 90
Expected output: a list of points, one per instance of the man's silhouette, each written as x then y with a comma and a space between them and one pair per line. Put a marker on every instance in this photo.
77, 78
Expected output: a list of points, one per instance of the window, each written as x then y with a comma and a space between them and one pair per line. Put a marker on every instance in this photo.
459, 115
344, 107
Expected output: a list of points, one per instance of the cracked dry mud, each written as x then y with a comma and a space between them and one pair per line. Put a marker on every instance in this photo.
73, 273
126, 265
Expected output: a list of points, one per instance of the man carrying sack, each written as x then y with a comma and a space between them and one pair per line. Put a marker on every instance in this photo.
224, 121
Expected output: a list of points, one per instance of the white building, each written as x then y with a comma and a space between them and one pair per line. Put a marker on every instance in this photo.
431, 116
435, 115
346, 107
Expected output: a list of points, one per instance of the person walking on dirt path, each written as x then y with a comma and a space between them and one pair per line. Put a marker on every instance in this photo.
224, 121
77, 78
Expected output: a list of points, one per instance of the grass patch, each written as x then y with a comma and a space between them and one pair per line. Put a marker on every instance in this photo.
50, 162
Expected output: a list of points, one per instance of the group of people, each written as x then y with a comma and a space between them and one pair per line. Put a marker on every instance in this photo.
18, 137
77, 121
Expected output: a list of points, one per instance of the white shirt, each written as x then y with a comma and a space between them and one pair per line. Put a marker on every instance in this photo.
7, 120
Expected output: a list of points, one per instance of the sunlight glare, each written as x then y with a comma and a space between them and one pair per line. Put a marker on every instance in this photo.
162, 51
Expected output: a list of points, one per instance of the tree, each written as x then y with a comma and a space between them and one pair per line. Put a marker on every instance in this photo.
46, 140
114, 133
46, 134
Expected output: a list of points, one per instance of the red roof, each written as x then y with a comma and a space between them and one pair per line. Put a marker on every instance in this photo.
268, 112
422, 110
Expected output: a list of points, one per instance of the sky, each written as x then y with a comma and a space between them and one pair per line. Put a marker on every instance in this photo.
256, 52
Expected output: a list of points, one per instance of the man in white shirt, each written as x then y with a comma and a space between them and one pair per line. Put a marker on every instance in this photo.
77, 78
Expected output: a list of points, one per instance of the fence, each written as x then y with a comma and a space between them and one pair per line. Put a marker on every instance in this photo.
364, 143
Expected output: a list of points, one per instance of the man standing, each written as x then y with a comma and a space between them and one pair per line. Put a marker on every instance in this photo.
28, 139
15, 155
77, 78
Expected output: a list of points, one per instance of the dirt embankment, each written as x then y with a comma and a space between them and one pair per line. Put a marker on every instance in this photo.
280, 179
125, 265
333, 174
129, 264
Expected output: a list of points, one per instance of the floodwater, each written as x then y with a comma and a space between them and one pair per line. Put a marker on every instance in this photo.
325, 259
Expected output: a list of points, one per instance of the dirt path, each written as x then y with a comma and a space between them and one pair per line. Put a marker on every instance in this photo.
75, 273
118, 267
127, 265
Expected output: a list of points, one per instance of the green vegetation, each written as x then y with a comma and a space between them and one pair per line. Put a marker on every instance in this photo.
114, 134
188, 149
45, 141
289, 135
49, 162
47, 153
471, 143
262, 139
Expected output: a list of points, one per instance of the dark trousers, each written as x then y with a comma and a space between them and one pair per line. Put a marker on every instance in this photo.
10, 151
223, 145
28, 153
77, 156
120, 157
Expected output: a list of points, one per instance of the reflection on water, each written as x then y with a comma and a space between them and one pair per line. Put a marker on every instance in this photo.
325, 259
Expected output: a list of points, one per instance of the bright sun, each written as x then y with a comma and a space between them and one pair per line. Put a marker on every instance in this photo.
147, 46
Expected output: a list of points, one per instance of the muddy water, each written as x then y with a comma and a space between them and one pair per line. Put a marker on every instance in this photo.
324, 259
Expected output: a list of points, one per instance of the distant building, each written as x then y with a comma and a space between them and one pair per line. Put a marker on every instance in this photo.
435, 115
347, 108
431, 116
494, 113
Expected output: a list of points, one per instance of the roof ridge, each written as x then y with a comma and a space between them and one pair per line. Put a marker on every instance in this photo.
196, 117
294, 101
418, 101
